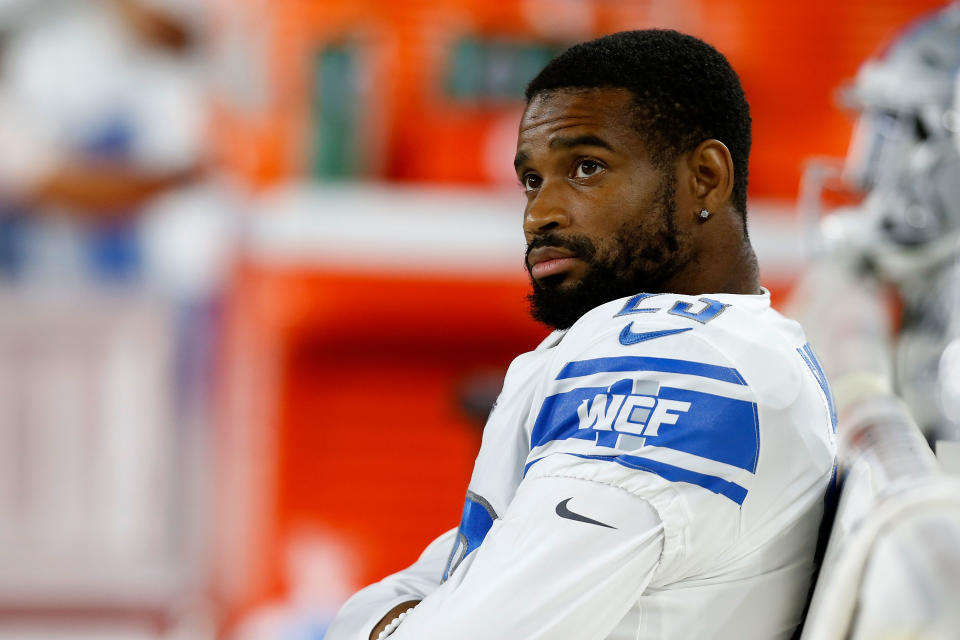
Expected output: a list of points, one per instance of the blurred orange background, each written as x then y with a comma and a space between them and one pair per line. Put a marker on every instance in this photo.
261, 275
392, 68
340, 385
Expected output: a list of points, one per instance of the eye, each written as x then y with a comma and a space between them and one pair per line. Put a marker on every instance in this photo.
530, 181
587, 168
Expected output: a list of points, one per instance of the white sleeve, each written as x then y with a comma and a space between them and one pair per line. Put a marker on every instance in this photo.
567, 560
29, 152
365, 609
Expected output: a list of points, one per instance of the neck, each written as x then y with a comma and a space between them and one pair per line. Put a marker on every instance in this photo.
745, 274
725, 263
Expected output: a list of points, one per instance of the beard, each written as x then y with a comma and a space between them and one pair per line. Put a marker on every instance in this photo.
636, 259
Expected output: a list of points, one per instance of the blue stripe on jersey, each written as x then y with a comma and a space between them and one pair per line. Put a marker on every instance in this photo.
718, 428
643, 363
725, 488
527, 466
806, 352
714, 427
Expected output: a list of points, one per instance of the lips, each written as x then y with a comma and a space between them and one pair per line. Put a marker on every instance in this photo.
549, 261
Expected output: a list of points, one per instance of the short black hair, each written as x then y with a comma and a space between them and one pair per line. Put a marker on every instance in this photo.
684, 92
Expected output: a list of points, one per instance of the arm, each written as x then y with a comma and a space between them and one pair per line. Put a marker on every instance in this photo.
97, 190
370, 609
542, 573
36, 172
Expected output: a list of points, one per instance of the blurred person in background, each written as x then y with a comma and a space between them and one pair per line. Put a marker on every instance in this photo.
103, 394
903, 238
657, 467
101, 110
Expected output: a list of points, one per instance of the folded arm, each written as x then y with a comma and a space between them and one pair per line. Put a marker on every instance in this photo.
368, 608
569, 558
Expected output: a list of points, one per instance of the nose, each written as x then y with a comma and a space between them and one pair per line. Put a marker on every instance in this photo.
546, 211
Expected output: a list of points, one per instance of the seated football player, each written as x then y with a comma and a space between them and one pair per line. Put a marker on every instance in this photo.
657, 467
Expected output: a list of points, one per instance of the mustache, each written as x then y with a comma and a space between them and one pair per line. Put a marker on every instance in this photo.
580, 246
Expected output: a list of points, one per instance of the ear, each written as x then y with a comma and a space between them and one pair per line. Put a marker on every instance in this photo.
711, 174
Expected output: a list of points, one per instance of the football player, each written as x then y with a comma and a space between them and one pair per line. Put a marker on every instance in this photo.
657, 467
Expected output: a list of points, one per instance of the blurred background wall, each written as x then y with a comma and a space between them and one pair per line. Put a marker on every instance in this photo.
262, 272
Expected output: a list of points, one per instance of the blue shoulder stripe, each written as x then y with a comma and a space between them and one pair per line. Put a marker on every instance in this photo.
813, 363
710, 426
725, 488
641, 363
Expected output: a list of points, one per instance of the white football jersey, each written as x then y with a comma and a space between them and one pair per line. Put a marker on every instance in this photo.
656, 471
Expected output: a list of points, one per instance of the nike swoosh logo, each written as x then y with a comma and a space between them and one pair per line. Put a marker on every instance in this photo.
629, 337
564, 512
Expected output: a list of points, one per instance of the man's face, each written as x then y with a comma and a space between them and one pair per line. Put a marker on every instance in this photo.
601, 221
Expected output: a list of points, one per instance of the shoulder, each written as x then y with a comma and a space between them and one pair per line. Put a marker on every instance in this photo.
693, 402
690, 382
660, 373
741, 334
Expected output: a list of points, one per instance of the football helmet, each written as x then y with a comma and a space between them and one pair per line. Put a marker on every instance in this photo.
904, 154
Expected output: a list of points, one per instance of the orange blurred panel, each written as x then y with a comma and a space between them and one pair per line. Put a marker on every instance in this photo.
346, 414
791, 58
377, 448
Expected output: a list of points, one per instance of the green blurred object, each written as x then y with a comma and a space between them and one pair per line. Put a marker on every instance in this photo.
336, 114
482, 70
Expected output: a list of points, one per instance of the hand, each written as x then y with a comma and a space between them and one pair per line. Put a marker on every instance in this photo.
393, 613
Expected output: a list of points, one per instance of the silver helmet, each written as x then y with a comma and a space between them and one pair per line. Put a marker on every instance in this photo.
904, 155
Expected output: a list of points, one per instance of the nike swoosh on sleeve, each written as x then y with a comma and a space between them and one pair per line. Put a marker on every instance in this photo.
565, 512
628, 337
